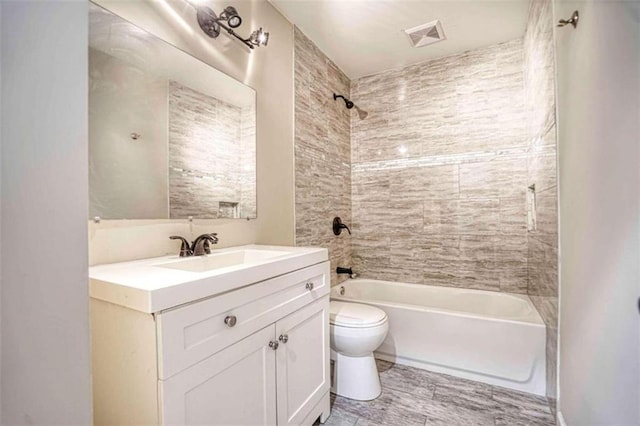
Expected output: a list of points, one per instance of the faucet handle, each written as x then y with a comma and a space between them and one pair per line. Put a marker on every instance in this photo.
185, 250
201, 244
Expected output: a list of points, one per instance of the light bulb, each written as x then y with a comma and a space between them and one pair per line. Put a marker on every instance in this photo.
260, 38
235, 21
231, 15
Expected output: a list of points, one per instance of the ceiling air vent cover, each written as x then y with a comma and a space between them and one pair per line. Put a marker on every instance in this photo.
425, 34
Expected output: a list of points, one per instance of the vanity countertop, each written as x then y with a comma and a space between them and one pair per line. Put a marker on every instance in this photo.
156, 284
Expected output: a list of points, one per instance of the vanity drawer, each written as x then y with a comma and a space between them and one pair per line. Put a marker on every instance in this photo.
191, 333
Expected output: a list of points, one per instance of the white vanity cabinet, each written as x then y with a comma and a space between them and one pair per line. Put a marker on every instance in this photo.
302, 362
236, 386
257, 355
275, 376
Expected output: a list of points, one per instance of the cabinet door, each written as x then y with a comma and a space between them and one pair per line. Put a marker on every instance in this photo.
236, 386
303, 361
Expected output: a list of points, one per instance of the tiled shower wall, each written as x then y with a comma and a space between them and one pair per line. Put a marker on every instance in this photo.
539, 72
322, 153
439, 169
439, 172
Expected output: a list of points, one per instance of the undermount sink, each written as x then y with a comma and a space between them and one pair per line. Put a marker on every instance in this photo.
223, 260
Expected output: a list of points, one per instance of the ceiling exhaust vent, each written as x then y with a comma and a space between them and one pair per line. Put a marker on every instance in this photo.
425, 34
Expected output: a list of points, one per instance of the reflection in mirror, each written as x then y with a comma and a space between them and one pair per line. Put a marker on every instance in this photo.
169, 136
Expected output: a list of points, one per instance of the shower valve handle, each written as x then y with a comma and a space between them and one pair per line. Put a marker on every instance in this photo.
338, 226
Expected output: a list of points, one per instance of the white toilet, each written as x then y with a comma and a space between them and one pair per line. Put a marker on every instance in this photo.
356, 331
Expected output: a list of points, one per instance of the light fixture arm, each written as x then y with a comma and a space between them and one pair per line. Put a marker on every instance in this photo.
251, 42
233, 33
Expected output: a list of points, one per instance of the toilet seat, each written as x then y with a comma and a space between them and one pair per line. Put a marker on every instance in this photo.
355, 315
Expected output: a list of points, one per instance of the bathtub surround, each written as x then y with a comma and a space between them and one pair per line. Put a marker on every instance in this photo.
542, 256
439, 172
322, 153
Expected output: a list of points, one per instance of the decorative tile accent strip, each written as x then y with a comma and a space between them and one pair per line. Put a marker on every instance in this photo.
436, 160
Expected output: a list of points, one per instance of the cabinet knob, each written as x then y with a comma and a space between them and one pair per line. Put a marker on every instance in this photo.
230, 320
309, 286
284, 338
274, 344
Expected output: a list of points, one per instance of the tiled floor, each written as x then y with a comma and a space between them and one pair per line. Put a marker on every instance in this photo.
412, 396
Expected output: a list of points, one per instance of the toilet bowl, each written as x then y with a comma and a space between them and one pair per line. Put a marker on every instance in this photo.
356, 331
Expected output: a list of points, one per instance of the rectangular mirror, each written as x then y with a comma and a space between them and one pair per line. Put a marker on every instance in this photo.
170, 137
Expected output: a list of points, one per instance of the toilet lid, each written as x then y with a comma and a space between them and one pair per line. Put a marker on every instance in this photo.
347, 314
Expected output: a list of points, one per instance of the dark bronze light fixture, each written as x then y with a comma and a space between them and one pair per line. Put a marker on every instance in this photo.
228, 19
230, 14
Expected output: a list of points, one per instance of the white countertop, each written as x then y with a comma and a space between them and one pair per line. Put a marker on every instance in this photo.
144, 286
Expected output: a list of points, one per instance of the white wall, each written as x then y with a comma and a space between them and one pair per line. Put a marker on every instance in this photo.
270, 72
45, 322
599, 164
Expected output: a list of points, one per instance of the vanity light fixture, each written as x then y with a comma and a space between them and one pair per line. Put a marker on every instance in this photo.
230, 14
228, 19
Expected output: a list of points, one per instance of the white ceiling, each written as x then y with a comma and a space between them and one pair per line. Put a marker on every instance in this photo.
365, 37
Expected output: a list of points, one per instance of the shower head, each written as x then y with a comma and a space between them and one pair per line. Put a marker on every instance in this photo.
361, 113
347, 102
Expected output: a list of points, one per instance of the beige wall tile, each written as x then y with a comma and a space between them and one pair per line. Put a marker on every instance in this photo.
513, 216
322, 153
461, 216
539, 82
420, 183
493, 179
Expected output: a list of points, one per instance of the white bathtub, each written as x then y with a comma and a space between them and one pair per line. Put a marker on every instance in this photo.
496, 338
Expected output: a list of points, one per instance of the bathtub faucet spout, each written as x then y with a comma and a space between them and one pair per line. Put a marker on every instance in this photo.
349, 271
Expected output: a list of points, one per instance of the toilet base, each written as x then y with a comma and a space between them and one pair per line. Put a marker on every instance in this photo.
355, 377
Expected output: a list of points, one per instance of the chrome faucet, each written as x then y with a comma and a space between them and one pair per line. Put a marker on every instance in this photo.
199, 247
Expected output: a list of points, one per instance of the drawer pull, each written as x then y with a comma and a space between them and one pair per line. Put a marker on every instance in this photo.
284, 338
230, 320
309, 286
274, 344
